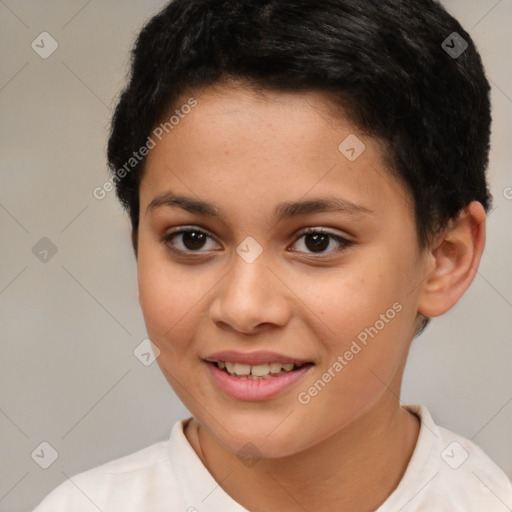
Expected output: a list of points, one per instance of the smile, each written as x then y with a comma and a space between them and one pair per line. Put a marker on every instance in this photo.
257, 371
255, 376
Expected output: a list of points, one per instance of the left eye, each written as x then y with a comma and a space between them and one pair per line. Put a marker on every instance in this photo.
315, 240
318, 240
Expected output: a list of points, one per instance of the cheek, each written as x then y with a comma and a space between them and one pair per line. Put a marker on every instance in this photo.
365, 321
349, 301
167, 294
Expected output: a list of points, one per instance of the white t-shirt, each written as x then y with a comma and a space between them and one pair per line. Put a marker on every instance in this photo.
446, 473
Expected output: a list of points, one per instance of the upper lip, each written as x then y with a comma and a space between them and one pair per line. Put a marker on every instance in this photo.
253, 358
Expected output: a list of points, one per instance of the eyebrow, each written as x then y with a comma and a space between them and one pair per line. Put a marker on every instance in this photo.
282, 211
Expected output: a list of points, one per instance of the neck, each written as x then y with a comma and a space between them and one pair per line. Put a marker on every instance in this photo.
355, 469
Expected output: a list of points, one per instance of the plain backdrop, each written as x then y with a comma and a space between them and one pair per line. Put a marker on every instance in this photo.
69, 316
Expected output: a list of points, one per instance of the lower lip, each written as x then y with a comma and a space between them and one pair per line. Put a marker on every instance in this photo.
254, 390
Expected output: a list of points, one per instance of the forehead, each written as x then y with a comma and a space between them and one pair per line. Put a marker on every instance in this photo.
245, 151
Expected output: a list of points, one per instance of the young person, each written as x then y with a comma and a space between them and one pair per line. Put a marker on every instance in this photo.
306, 186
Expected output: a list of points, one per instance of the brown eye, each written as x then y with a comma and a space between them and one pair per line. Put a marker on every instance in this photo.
193, 240
187, 240
317, 241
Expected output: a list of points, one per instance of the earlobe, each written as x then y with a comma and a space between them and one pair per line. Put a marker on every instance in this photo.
456, 257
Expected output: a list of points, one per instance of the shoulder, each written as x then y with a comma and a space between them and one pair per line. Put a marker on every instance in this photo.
448, 472
465, 468
121, 482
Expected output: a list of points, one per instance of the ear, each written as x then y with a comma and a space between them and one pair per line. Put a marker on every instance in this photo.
454, 260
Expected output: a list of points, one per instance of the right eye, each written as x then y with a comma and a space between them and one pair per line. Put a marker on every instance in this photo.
189, 240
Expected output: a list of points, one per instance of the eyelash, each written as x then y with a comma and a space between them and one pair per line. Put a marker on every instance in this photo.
344, 242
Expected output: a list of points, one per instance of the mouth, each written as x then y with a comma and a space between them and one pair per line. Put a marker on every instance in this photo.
262, 371
255, 376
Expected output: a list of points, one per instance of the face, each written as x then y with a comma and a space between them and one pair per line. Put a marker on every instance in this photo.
263, 242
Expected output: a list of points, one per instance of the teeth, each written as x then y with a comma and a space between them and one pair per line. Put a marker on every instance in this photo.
257, 371
242, 369
275, 367
261, 369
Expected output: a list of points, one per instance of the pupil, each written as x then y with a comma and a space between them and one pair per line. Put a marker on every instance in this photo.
193, 239
319, 241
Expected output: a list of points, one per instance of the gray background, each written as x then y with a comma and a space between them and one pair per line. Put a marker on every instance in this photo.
68, 375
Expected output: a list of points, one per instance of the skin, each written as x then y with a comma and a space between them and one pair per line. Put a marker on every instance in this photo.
246, 153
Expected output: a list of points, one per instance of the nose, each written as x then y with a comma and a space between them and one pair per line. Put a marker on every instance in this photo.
251, 298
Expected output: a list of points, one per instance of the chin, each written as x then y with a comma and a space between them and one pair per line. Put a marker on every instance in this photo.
242, 436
